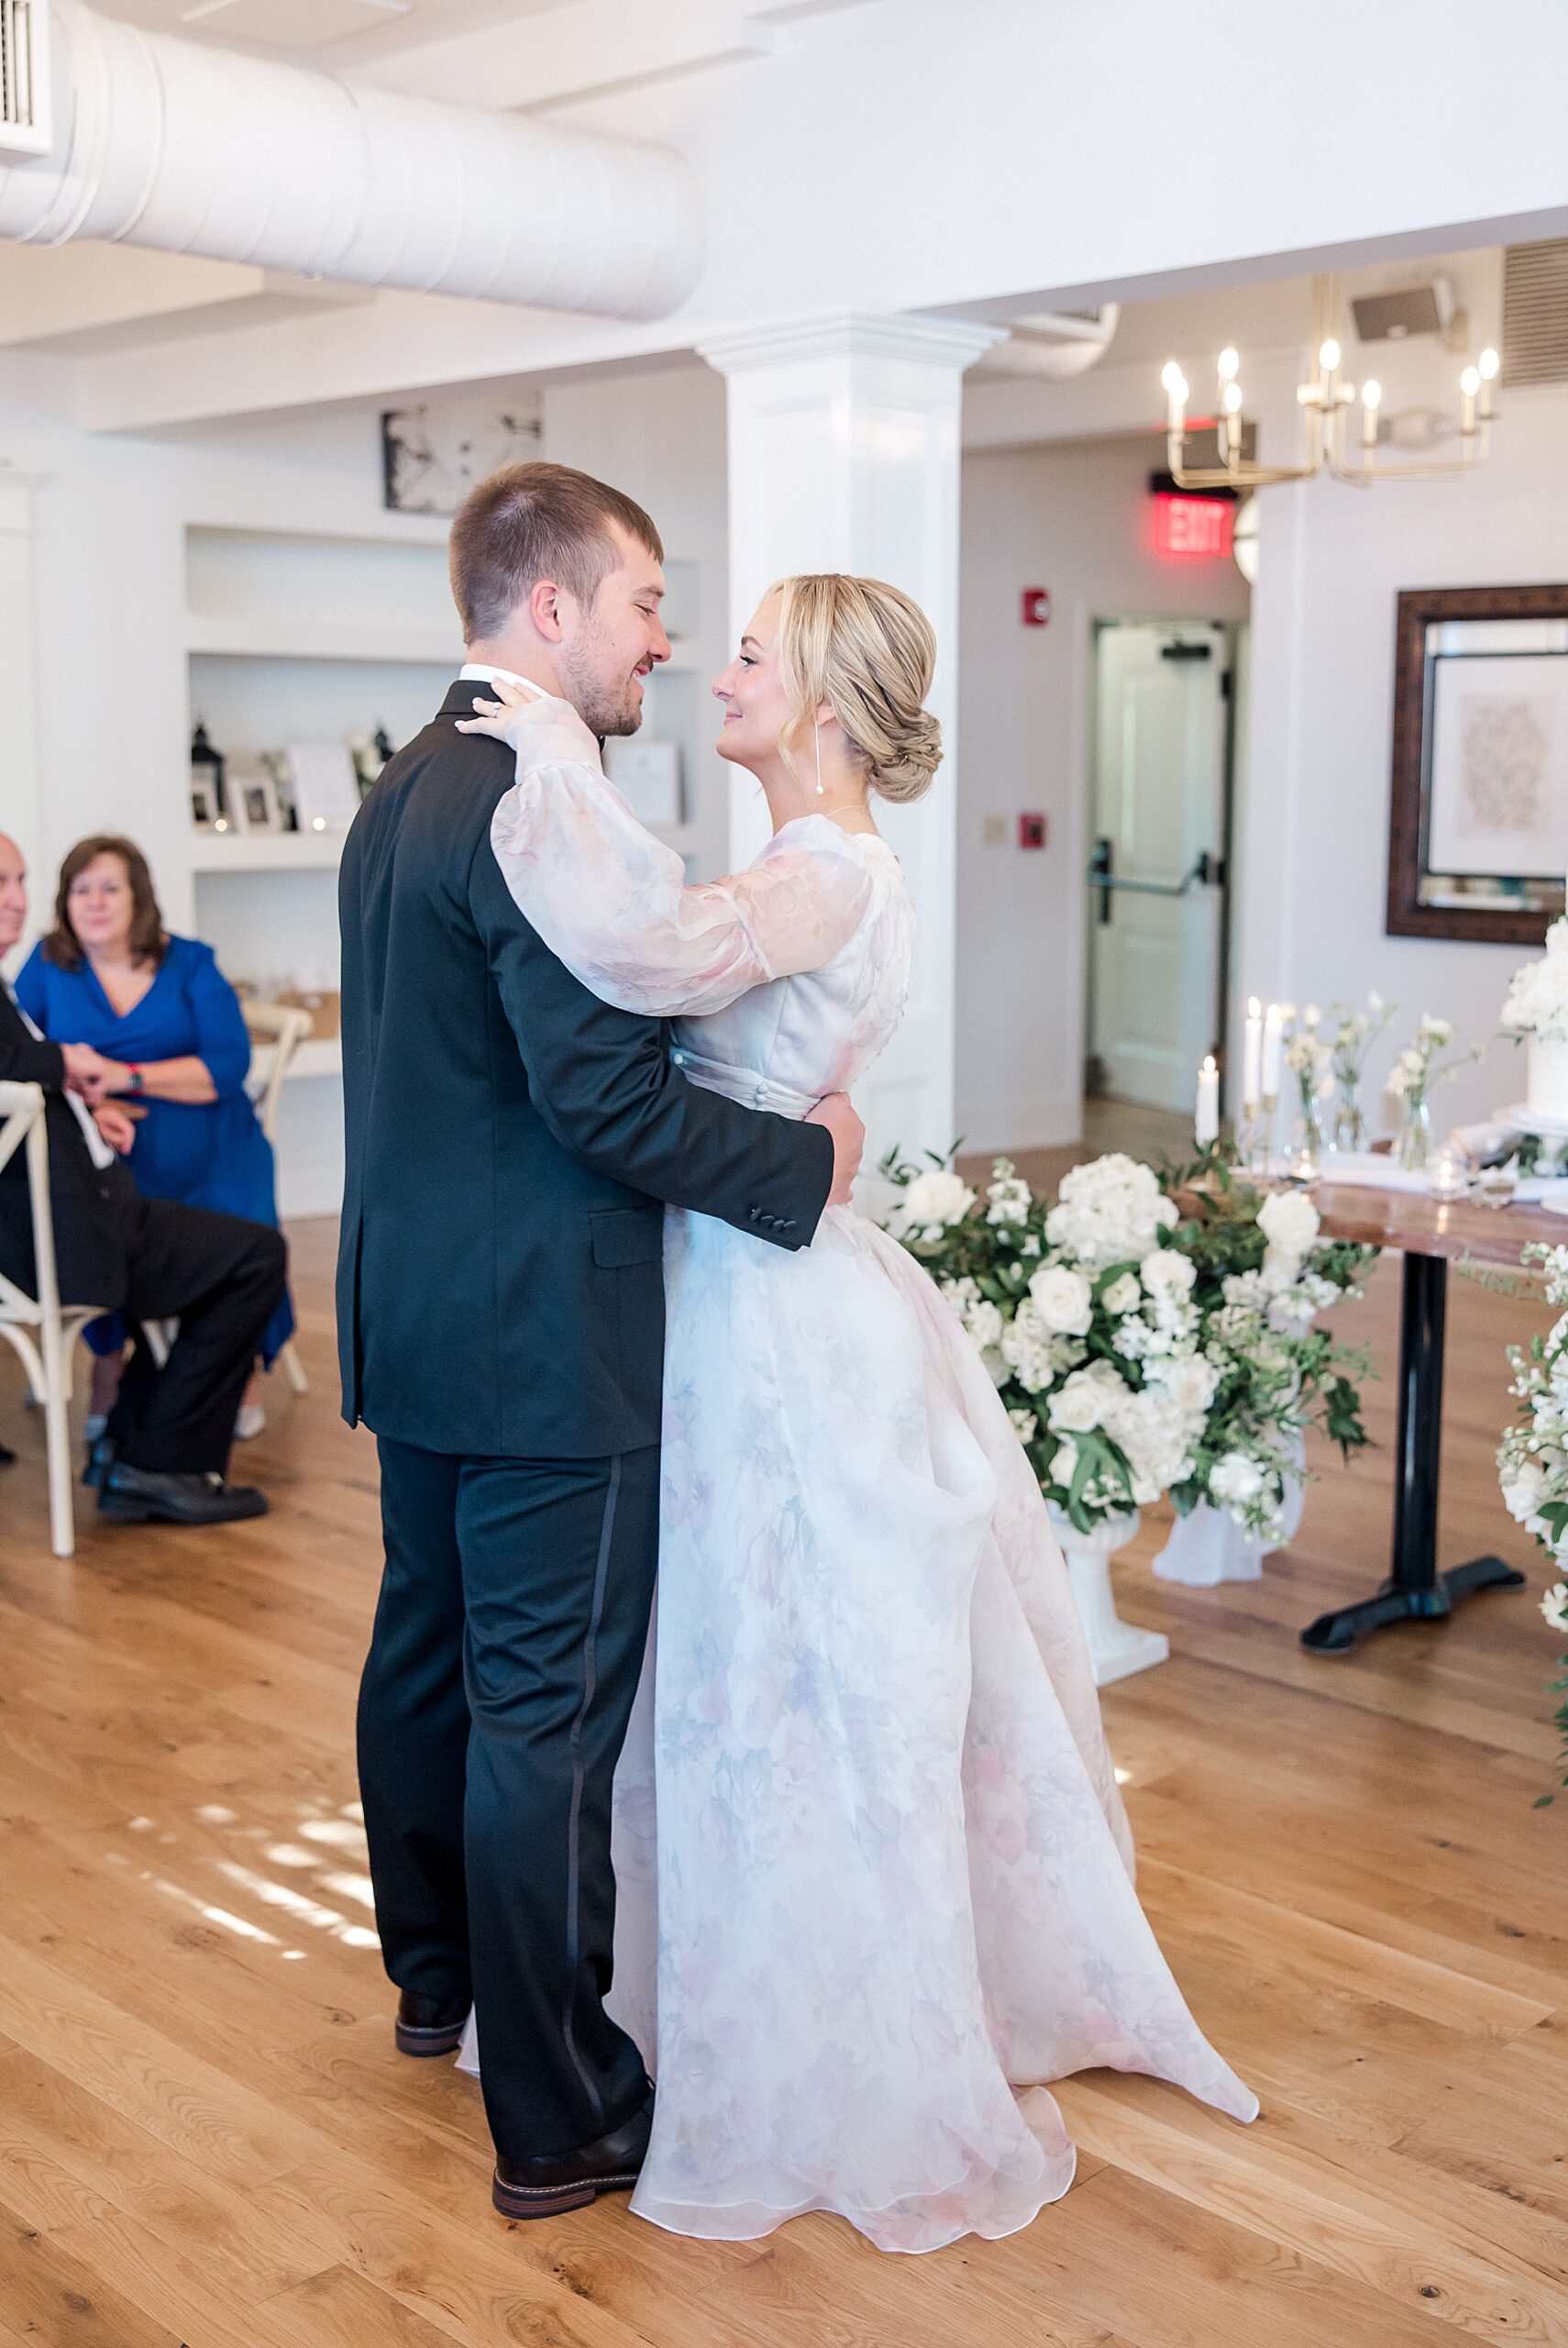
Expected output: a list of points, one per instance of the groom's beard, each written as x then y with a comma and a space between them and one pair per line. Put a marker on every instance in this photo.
604, 708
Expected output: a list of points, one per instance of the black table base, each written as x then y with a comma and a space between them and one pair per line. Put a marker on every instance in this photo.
1414, 1591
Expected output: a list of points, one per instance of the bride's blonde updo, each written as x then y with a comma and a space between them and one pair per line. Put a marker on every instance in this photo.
869, 651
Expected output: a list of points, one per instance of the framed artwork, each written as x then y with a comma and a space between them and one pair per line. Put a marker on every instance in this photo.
253, 797
432, 455
1478, 811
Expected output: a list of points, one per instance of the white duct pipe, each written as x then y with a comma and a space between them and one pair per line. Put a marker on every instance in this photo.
193, 149
1055, 344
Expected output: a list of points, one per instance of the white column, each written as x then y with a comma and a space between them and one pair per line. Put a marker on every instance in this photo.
21, 810
844, 455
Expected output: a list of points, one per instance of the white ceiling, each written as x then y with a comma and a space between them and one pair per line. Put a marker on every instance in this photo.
349, 32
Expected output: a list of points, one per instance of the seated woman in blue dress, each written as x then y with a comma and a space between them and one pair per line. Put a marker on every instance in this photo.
109, 974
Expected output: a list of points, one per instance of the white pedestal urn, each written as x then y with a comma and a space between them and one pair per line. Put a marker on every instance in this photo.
1117, 1649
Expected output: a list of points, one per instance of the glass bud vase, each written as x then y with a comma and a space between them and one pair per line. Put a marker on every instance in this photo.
1416, 1135
1349, 1125
1306, 1139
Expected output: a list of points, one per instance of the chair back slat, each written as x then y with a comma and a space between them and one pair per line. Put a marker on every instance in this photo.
281, 1028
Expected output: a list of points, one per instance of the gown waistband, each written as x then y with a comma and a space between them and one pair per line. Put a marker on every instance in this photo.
744, 1084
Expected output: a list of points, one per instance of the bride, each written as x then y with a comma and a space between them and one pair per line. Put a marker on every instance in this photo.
875, 1875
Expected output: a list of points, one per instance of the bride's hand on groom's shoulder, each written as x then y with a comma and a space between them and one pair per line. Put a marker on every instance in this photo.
536, 723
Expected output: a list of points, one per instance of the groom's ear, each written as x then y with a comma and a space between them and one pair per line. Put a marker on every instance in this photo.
545, 602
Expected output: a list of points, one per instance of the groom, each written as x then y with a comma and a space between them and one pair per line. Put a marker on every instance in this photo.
511, 1142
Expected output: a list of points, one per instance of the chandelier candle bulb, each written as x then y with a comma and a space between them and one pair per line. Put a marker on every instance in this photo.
1251, 1055
1370, 397
1206, 1124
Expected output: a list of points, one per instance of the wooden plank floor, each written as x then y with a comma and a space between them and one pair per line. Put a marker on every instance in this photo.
206, 2137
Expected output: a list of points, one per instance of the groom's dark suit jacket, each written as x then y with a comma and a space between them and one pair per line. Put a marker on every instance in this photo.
510, 1140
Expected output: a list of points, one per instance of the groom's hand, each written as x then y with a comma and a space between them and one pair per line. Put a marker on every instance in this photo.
849, 1143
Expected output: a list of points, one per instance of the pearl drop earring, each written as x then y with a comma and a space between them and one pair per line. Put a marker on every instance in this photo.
817, 738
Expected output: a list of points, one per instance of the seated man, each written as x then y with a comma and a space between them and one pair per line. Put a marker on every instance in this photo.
165, 1453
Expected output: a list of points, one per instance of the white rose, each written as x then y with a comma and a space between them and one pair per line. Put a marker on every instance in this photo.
1124, 1294
1084, 1400
1522, 1489
1235, 1480
1024, 1425
1167, 1271
1554, 1606
1064, 1299
1063, 1459
936, 1200
1190, 1381
1289, 1221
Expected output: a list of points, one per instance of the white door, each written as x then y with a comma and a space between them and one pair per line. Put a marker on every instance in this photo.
1156, 921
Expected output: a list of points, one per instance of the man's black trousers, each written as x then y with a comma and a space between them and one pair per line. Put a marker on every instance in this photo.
221, 1278
508, 1645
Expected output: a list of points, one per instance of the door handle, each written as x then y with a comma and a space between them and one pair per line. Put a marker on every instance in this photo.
1207, 871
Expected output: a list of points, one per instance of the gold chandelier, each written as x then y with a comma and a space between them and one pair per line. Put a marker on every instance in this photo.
1326, 400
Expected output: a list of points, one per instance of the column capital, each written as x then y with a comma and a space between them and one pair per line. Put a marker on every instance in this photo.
953, 343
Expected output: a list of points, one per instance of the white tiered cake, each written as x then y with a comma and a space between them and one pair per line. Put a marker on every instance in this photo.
1536, 1008
1546, 1093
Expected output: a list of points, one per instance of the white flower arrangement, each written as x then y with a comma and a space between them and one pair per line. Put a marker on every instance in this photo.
1418, 1068
1533, 1459
1537, 1001
1138, 1353
1355, 1032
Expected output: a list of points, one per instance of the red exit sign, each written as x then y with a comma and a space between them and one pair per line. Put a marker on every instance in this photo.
1193, 526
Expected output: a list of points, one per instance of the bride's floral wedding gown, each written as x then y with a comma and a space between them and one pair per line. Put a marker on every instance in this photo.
875, 1875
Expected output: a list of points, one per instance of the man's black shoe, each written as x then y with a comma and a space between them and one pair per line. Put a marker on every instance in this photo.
543, 2187
137, 1496
429, 2025
7, 1456
99, 1457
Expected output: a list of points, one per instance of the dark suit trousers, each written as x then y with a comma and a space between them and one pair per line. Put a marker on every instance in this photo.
508, 1645
222, 1278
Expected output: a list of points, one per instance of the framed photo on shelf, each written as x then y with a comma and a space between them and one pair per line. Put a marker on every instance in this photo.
326, 788
1478, 808
203, 800
253, 797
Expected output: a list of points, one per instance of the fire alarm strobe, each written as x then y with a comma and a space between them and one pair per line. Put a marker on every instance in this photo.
1036, 607
1031, 831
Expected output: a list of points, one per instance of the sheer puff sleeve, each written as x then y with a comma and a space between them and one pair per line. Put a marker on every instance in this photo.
613, 903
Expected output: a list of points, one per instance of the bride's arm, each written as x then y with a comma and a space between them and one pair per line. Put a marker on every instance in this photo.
614, 904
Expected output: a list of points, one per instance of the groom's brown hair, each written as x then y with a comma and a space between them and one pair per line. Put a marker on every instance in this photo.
533, 522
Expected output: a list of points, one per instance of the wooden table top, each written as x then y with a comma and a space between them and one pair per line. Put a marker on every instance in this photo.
1427, 1226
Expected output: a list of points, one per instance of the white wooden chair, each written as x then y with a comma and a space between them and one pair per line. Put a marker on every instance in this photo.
40, 1332
280, 1029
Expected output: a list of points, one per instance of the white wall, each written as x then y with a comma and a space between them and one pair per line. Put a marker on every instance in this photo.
1073, 517
1320, 727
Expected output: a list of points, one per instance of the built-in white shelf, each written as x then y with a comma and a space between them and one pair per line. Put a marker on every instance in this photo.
265, 851
280, 638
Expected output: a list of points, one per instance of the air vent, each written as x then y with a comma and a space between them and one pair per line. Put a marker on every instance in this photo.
1535, 312
23, 77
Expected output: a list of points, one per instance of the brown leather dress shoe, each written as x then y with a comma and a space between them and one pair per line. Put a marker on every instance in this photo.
543, 2187
429, 2025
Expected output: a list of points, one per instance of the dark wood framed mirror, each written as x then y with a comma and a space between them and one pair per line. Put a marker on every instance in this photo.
1478, 813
